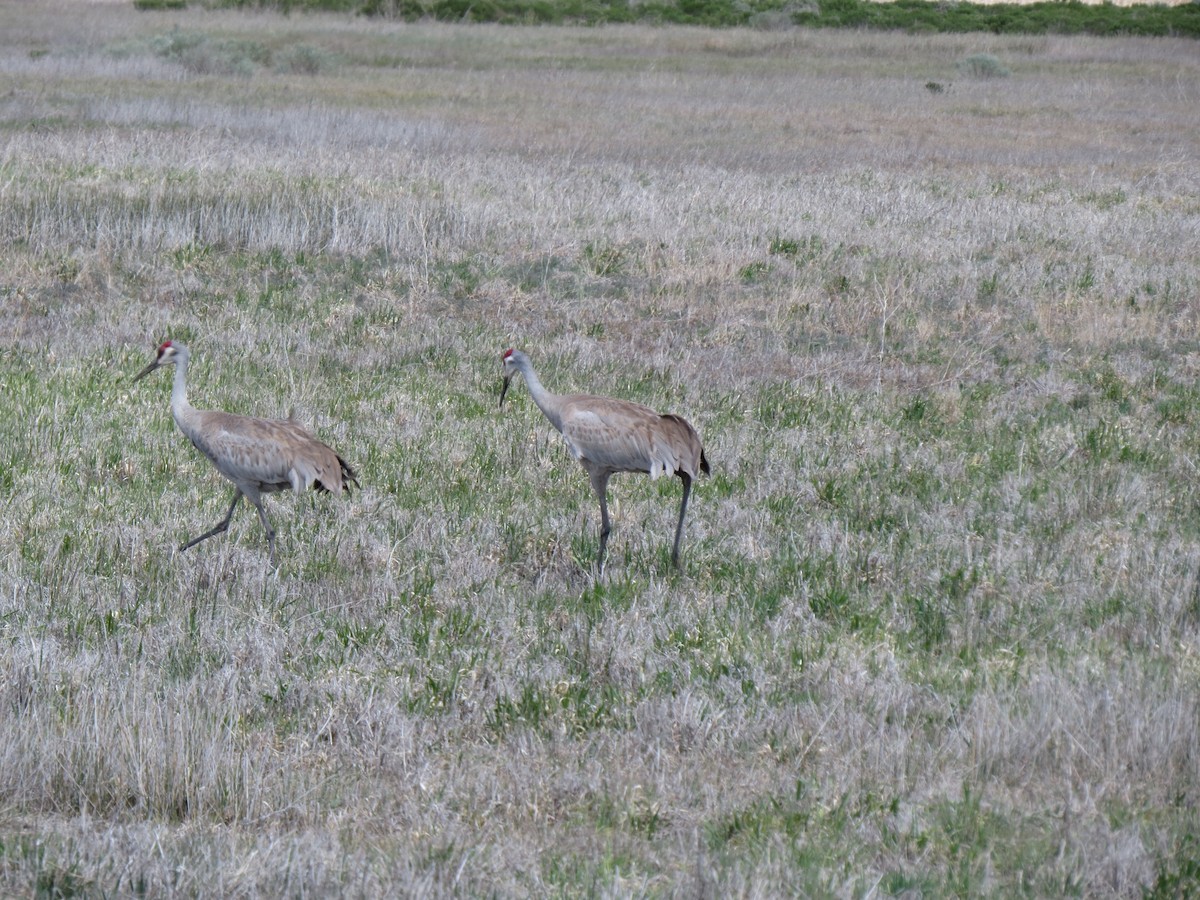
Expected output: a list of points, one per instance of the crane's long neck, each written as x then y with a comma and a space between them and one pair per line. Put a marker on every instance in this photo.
181, 410
550, 404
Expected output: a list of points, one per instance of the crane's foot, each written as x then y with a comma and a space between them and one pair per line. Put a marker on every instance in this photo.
220, 529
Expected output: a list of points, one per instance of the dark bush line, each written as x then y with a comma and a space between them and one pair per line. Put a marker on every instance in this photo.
1071, 17
1055, 17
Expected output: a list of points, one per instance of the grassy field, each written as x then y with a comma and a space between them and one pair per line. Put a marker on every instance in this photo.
937, 631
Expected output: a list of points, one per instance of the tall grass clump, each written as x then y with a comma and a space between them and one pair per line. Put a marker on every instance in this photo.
302, 59
982, 66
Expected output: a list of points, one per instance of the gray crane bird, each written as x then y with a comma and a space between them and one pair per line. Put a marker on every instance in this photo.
609, 436
260, 456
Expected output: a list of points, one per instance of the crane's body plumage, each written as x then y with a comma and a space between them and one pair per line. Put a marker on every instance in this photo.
260, 456
608, 435
627, 437
270, 454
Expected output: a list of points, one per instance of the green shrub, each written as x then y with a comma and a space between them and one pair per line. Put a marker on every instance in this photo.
982, 66
202, 55
1051, 17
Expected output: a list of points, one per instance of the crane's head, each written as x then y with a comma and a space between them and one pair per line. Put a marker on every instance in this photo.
512, 365
168, 353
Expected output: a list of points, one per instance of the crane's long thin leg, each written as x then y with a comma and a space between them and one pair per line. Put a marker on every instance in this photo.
600, 485
262, 514
219, 527
687, 490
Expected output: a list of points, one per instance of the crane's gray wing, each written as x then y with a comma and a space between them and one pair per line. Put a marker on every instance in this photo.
270, 453
616, 435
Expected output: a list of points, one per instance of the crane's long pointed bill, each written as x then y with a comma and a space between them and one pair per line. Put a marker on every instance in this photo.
146, 371
504, 390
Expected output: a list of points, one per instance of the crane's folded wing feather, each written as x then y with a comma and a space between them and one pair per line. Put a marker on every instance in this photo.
272, 453
686, 449
629, 437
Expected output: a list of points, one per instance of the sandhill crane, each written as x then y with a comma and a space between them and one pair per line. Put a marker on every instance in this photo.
260, 456
609, 436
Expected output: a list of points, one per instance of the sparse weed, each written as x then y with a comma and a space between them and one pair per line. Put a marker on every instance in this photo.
604, 260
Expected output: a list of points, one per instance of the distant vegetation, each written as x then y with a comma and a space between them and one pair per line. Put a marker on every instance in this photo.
201, 54
1069, 17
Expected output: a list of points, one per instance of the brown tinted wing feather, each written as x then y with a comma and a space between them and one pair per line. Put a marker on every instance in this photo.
609, 433
315, 461
630, 437
241, 449
274, 453
684, 441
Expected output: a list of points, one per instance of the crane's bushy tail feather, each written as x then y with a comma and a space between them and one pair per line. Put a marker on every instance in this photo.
323, 470
685, 446
348, 475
